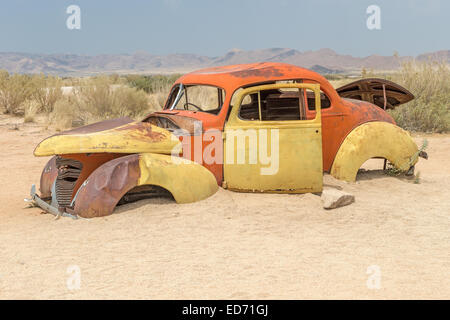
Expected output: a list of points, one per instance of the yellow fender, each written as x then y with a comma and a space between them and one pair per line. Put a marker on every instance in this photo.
186, 180
374, 140
133, 137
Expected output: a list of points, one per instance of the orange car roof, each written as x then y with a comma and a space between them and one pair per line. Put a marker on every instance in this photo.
239, 75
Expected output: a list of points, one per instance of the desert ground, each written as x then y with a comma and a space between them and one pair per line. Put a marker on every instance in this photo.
231, 245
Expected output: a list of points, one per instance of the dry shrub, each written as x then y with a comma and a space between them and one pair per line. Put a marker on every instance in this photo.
430, 84
64, 114
15, 89
157, 100
89, 100
98, 99
157, 87
47, 90
152, 83
31, 108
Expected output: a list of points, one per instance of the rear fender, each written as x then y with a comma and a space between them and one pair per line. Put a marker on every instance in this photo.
375, 139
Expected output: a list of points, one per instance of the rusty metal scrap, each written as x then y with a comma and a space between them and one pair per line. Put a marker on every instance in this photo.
68, 173
101, 192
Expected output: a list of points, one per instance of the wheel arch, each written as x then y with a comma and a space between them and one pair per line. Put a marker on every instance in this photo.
102, 190
375, 139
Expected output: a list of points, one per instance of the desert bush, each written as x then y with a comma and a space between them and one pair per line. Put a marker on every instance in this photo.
153, 83
157, 87
157, 100
31, 108
47, 90
98, 99
15, 89
430, 84
64, 114
333, 76
367, 73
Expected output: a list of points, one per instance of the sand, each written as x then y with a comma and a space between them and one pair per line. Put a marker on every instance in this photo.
231, 245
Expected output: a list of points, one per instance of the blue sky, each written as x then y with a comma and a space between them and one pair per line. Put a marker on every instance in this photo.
211, 27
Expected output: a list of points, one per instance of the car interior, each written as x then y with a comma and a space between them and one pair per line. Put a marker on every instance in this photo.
279, 105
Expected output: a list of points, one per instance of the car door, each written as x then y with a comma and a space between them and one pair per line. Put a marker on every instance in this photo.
267, 147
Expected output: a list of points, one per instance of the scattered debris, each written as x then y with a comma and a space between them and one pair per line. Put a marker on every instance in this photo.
333, 198
417, 178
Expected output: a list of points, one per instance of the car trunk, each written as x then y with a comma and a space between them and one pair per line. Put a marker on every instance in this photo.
383, 93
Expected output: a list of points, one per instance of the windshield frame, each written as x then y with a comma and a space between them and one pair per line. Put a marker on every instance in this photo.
182, 93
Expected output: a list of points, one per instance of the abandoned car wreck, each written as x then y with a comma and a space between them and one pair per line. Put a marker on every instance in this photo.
262, 127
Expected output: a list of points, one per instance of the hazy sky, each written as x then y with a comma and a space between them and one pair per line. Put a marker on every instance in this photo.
211, 27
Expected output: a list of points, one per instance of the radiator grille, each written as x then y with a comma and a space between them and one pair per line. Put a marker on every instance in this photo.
68, 172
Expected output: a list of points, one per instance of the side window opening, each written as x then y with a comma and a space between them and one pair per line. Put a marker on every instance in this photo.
324, 101
274, 105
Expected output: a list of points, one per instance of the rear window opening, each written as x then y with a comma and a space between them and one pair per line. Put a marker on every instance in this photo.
324, 101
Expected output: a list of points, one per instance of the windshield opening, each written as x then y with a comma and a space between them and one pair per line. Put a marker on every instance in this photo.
196, 98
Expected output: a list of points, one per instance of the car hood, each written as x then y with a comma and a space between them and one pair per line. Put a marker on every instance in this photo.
371, 90
112, 136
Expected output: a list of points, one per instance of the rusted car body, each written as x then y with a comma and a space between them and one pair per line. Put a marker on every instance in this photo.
183, 151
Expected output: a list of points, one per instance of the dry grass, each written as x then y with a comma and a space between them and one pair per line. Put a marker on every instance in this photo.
31, 108
15, 89
151, 84
430, 84
98, 99
47, 90
87, 100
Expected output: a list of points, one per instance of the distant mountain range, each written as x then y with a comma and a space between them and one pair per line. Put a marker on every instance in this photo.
322, 61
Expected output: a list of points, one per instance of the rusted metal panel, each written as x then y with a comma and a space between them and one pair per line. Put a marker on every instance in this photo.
192, 126
100, 193
381, 92
68, 173
48, 176
340, 119
98, 126
90, 162
132, 137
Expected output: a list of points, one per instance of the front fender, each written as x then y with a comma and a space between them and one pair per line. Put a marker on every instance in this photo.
48, 177
375, 139
187, 181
